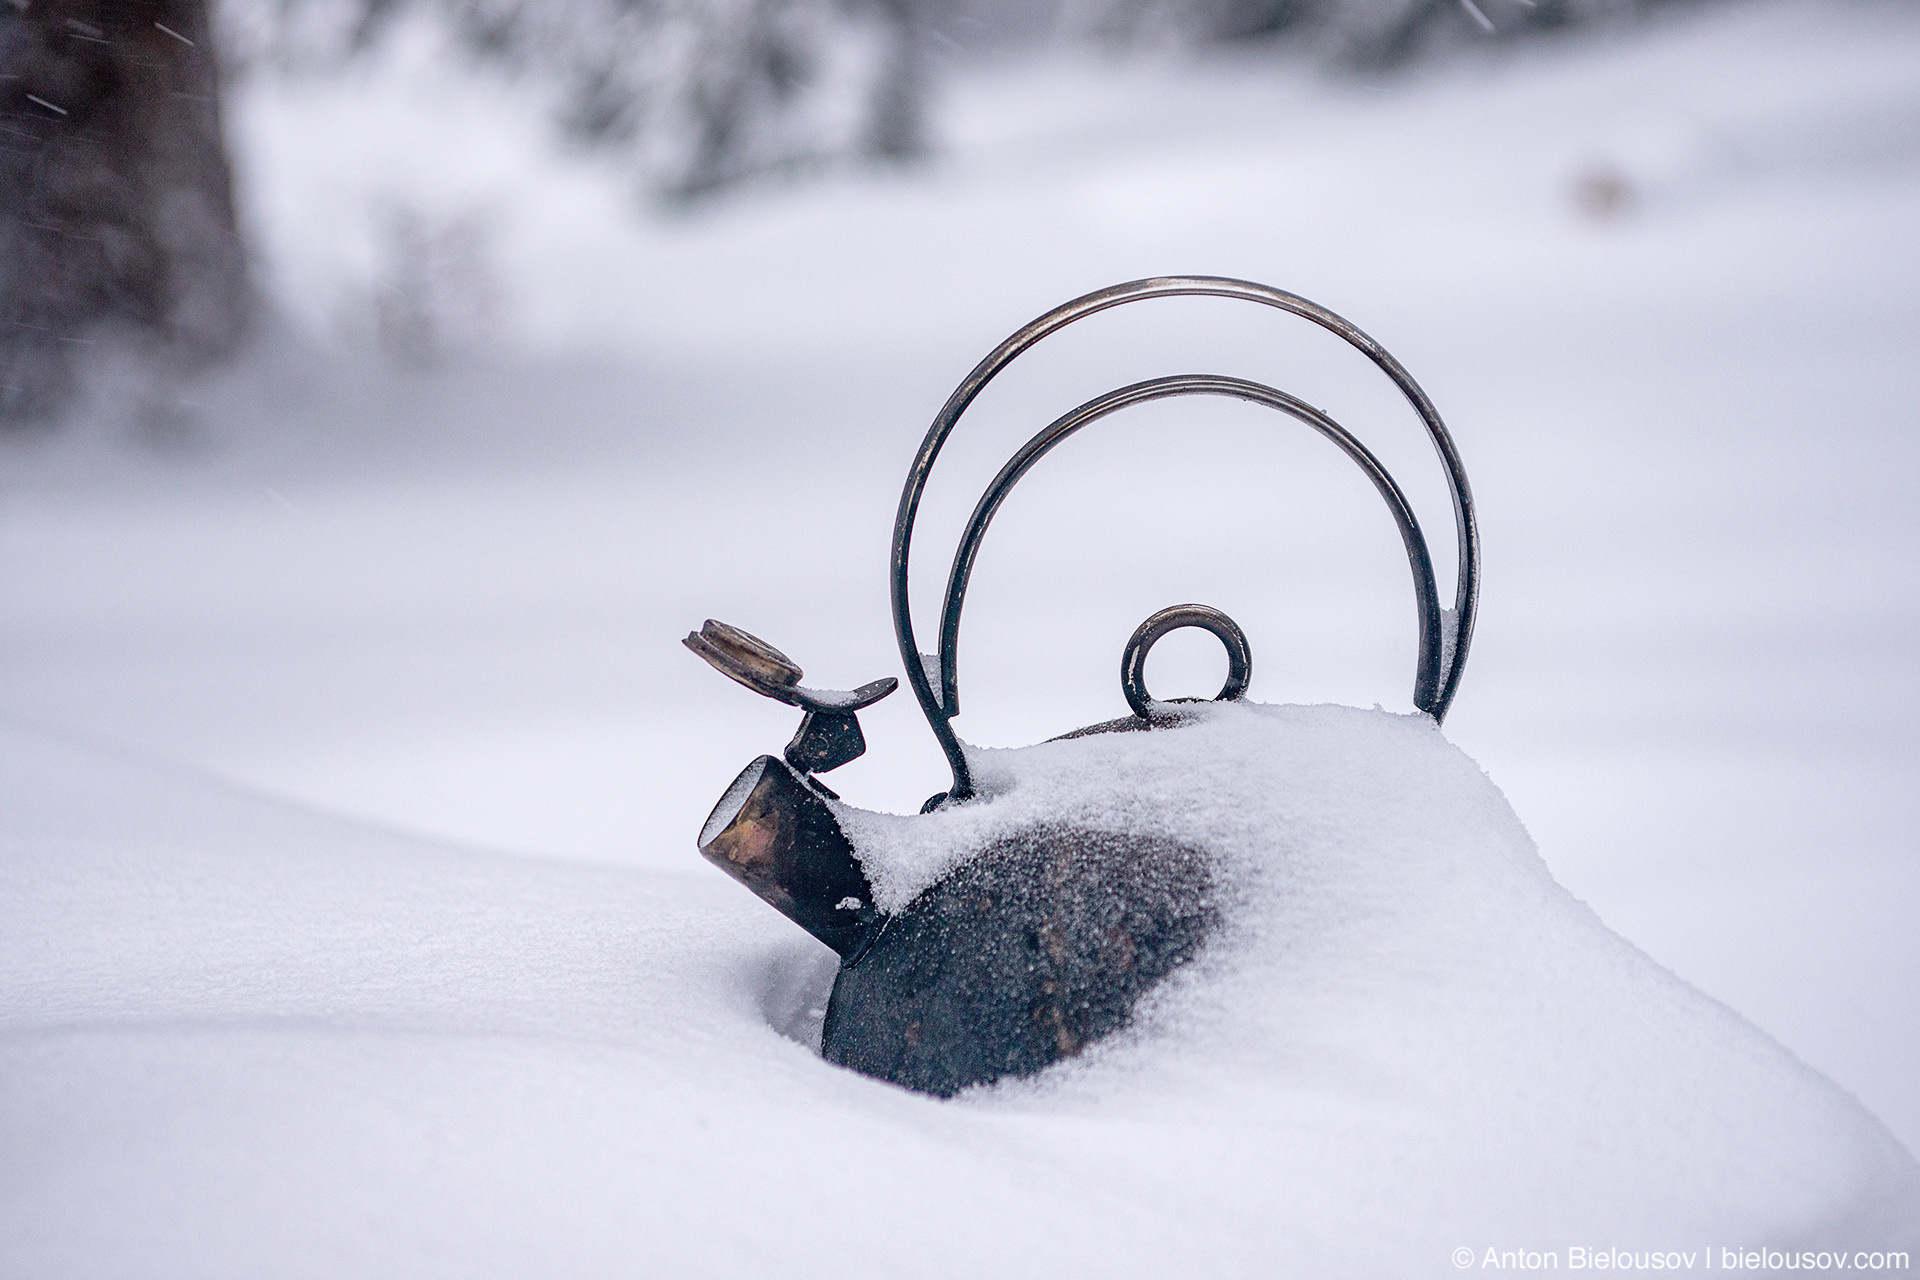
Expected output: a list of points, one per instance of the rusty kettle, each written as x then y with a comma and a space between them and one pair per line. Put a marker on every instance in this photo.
1043, 941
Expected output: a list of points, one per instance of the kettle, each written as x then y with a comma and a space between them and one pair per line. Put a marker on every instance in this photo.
1043, 941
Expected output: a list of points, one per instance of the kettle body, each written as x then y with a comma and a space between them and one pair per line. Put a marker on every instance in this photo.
1034, 947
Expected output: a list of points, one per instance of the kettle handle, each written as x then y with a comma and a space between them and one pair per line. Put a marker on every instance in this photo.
1444, 633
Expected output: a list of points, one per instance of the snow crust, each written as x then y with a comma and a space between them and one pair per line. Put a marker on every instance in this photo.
239, 1038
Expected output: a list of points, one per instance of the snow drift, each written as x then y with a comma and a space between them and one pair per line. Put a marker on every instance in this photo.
244, 1039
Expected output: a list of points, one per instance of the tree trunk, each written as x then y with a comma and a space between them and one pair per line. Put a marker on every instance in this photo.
116, 207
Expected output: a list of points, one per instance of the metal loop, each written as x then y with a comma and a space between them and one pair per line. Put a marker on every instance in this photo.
1444, 634
1133, 662
1428, 665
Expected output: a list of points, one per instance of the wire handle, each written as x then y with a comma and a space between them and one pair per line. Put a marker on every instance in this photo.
1444, 633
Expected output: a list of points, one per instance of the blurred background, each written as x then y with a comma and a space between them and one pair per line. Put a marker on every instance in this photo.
389, 384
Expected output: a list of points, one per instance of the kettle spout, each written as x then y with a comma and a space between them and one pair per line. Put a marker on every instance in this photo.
775, 834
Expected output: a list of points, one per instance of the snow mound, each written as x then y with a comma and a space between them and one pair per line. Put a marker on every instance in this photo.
238, 1038
1403, 990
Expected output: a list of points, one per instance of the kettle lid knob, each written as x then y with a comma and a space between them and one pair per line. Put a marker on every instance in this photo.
829, 734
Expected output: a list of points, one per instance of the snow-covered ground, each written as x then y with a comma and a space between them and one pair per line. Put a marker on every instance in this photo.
448, 602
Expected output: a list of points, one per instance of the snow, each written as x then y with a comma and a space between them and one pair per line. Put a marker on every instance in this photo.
290, 698
245, 1039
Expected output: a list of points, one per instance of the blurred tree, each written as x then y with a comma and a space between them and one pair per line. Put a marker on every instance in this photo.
697, 94
707, 93
1369, 34
116, 215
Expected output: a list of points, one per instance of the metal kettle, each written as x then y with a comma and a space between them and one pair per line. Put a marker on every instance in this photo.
1044, 941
